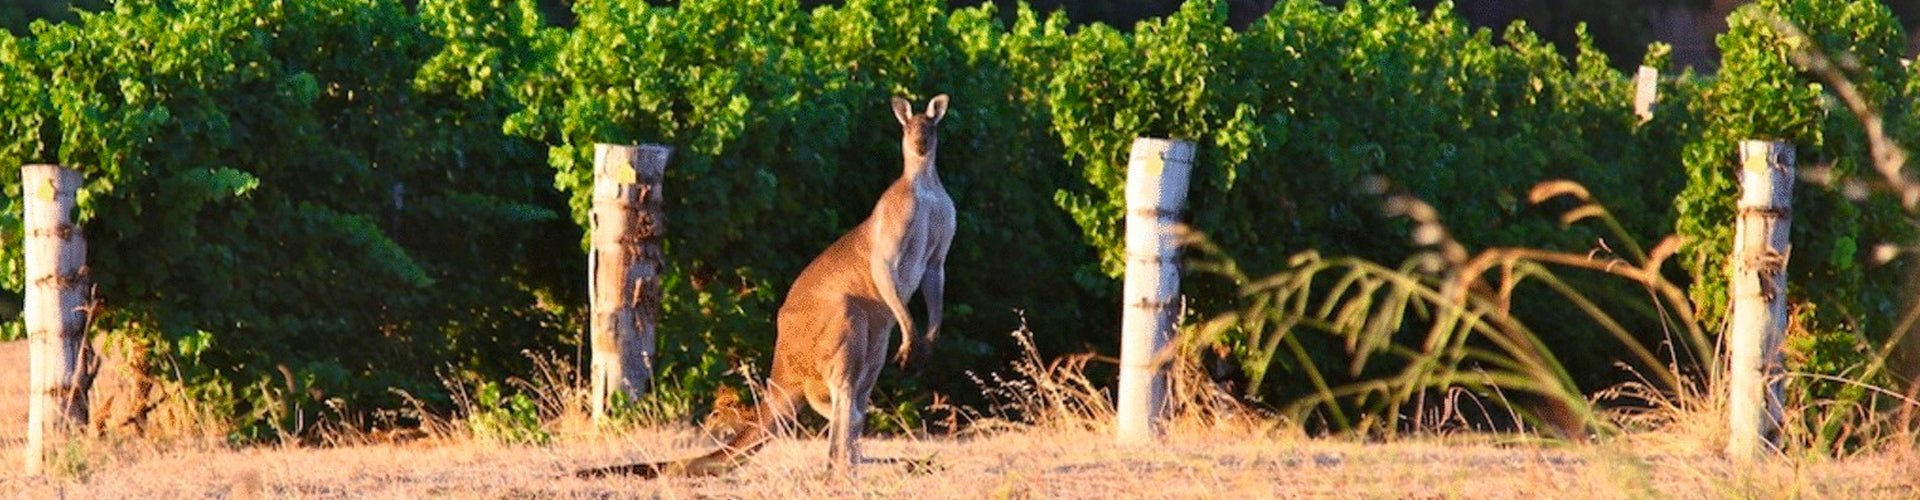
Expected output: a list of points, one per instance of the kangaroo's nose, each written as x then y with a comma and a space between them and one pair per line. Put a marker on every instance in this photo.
921, 144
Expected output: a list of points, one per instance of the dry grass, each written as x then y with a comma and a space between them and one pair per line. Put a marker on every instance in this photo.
1021, 463
1065, 451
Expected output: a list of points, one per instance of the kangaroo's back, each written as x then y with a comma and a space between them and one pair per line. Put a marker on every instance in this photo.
832, 300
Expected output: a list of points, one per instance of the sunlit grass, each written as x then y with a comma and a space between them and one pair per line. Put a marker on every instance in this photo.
1048, 437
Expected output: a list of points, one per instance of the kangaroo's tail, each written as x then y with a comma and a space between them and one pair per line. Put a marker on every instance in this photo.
640, 470
776, 407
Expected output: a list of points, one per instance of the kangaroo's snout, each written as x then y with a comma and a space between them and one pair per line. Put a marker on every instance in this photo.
920, 139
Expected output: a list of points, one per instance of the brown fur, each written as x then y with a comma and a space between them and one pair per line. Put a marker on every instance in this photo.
834, 325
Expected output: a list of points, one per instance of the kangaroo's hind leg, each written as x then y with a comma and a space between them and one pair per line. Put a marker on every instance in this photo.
866, 351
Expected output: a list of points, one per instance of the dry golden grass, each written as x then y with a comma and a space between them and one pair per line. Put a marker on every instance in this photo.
1069, 454
1019, 463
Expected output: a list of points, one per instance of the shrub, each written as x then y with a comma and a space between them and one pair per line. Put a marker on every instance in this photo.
276, 209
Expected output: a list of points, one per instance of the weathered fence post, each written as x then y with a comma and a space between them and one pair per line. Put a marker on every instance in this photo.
55, 311
1758, 289
1646, 91
624, 268
1157, 173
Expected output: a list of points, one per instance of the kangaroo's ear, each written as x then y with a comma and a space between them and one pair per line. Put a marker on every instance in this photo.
901, 110
937, 108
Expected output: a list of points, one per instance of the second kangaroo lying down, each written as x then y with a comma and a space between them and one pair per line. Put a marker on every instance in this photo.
834, 325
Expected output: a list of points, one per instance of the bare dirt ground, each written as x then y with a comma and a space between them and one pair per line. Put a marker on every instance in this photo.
1231, 461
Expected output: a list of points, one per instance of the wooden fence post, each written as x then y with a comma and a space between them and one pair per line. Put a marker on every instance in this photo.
56, 312
1157, 174
1646, 91
1758, 289
624, 269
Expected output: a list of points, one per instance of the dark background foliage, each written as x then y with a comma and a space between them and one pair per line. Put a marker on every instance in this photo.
299, 206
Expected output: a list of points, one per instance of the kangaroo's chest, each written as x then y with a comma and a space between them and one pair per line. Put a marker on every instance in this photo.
930, 223
934, 209
928, 193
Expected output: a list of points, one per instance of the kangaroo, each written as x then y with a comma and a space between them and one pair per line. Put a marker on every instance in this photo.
833, 327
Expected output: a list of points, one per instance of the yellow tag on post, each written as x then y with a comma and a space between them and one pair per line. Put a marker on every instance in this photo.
1755, 162
624, 174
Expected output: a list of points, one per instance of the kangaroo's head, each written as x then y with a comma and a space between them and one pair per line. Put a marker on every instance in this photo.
920, 138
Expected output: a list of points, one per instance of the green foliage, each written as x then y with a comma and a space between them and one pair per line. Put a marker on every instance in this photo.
1376, 88
302, 204
17, 15
710, 88
1847, 300
24, 103
506, 417
1340, 95
279, 206
784, 139
1151, 83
